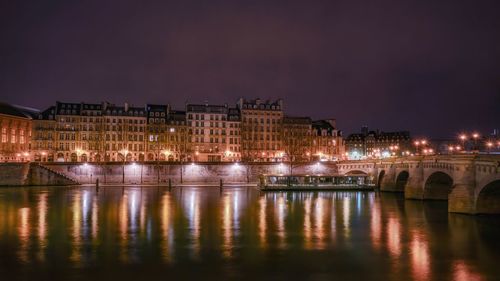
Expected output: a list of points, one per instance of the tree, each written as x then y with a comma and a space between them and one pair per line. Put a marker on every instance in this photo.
296, 138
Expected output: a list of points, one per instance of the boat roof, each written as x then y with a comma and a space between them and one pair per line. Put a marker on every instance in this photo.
308, 175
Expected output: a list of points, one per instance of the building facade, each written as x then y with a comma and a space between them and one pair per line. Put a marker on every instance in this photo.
377, 144
16, 131
297, 139
253, 130
261, 130
327, 142
208, 131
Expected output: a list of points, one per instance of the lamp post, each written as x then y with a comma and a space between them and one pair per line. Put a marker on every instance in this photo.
463, 138
417, 143
475, 136
124, 155
489, 145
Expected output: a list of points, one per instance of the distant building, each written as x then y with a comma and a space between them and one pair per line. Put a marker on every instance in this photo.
327, 143
233, 145
44, 135
297, 138
15, 129
252, 130
376, 144
261, 127
207, 128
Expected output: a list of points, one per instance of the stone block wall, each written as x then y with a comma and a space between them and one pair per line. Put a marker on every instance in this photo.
13, 174
198, 173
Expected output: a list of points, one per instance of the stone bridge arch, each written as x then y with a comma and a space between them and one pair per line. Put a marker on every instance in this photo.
401, 180
487, 199
380, 178
438, 185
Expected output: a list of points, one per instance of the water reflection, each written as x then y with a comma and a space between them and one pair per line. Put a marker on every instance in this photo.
321, 231
167, 228
192, 207
419, 256
42, 226
24, 234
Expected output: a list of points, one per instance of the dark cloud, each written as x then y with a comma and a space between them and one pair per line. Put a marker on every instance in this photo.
429, 66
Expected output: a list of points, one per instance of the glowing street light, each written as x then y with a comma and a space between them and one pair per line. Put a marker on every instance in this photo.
489, 145
422, 142
475, 136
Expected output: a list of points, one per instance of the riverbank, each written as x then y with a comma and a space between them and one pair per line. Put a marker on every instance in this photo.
149, 173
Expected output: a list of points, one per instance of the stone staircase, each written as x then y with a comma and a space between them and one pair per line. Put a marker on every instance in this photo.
50, 170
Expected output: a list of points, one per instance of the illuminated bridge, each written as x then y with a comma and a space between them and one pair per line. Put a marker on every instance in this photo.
470, 183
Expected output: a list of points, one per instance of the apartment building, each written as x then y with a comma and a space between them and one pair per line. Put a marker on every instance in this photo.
261, 130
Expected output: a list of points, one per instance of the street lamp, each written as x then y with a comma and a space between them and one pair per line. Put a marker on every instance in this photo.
124, 153
463, 138
475, 136
417, 143
489, 145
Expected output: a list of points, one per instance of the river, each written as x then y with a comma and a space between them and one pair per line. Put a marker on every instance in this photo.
203, 233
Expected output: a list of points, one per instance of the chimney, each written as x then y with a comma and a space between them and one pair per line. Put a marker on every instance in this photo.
126, 106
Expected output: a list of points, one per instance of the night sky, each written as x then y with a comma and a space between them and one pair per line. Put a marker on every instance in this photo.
432, 67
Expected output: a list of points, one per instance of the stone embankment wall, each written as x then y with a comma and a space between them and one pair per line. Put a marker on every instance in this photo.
198, 173
26, 174
14, 174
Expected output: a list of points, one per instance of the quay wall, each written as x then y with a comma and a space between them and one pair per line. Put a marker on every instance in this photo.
153, 173
31, 174
14, 174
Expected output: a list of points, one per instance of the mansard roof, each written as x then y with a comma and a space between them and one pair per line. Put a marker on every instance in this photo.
16, 111
207, 108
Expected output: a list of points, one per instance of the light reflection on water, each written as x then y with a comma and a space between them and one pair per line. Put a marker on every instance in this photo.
240, 233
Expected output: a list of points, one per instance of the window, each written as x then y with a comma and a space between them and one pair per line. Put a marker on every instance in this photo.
13, 136
4, 135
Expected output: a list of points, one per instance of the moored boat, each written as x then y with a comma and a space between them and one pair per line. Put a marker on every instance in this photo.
269, 182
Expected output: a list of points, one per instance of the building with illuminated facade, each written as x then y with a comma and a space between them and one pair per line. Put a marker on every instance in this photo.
208, 131
327, 142
250, 131
377, 144
297, 138
15, 130
261, 130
